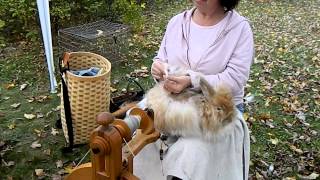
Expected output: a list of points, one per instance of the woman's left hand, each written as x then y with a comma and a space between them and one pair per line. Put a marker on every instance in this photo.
176, 84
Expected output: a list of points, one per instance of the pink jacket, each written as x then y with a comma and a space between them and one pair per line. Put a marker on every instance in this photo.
227, 60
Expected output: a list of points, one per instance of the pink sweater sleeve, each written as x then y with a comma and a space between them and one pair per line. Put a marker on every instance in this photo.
162, 54
236, 73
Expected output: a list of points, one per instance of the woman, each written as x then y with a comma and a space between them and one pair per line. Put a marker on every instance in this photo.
214, 41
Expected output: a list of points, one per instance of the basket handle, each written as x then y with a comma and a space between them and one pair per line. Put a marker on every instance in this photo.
66, 57
64, 66
63, 62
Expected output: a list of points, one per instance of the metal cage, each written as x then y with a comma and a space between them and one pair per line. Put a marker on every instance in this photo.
102, 37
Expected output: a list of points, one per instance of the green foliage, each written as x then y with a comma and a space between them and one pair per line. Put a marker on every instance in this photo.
2, 24
61, 9
32, 35
19, 18
130, 12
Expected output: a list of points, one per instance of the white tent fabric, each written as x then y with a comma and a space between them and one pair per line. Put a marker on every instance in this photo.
43, 8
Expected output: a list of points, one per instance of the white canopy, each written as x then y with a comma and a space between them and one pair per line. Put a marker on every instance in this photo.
43, 8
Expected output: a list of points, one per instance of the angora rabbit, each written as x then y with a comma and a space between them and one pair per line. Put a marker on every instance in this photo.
191, 113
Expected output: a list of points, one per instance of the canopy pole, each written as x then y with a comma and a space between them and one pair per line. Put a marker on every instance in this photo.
44, 15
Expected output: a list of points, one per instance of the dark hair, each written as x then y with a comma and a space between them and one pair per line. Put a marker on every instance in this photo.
229, 4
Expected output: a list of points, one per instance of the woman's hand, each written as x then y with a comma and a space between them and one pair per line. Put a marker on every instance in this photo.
176, 84
158, 70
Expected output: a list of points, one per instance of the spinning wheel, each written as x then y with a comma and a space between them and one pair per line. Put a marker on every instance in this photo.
110, 158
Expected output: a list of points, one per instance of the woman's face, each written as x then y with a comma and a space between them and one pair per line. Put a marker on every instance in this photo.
206, 4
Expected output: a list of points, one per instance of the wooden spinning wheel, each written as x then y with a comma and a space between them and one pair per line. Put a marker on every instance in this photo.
110, 158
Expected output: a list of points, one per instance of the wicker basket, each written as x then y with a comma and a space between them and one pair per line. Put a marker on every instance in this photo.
88, 96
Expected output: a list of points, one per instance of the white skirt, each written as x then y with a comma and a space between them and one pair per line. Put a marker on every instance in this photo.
226, 157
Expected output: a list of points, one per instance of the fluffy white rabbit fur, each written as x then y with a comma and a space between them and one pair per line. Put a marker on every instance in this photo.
191, 113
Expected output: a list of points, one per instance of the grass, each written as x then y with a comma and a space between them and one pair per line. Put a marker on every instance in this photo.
284, 82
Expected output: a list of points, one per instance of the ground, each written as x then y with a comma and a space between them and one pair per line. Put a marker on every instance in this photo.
282, 95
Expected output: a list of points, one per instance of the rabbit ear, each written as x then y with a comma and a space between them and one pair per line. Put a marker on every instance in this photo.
206, 88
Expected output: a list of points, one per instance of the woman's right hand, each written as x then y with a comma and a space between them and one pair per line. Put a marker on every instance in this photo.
158, 70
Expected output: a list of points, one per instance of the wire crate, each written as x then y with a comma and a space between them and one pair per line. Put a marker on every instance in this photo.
102, 37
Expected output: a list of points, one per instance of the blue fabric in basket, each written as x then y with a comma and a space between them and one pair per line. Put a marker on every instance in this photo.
93, 71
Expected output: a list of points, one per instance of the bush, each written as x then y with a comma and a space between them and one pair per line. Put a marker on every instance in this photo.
19, 18
130, 13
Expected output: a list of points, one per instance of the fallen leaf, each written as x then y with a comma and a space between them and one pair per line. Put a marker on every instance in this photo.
15, 105
289, 125
314, 133
249, 98
59, 164
57, 108
245, 116
35, 144
42, 98
99, 32
270, 134
9, 86
265, 116
310, 177
270, 169
48, 113
54, 131
270, 124
267, 102
259, 176
23, 86
40, 115
2, 143
253, 139
29, 116
38, 132
10, 163
6, 98
116, 82
274, 141
306, 124
289, 178
301, 116
68, 169
12, 126
295, 149
47, 152
113, 89
39, 172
